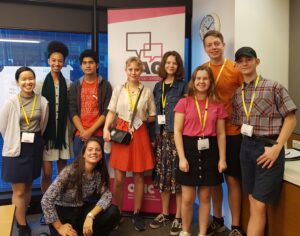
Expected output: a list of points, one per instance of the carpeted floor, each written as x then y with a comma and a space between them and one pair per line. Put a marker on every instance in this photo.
126, 228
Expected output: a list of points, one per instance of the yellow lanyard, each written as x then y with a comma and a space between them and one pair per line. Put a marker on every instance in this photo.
129, 98
220, 72
163, 96
24, 112
248, 112
203, 124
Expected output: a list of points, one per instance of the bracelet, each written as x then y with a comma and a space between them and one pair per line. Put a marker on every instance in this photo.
90, 215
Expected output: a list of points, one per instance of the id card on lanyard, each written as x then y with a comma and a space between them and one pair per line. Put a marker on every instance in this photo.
161, 119
203, 143
247, 129
27, 137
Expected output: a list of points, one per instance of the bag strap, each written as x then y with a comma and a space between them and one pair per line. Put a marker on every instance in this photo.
135, 108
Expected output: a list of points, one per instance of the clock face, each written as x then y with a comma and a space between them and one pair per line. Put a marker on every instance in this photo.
208, 23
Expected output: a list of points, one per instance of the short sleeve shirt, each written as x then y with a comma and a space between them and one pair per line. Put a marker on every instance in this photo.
89, 105
271, 104
192, 125
229, 81
120, 104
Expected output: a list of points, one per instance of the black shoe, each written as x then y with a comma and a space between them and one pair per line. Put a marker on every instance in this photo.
138, 222
121, 221
176, 227
215, 226
24, 230
237, 232
159, 221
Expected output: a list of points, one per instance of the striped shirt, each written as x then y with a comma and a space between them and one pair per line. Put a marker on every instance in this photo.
271, 105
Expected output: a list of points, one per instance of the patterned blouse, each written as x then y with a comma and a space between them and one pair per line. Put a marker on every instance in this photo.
62, 194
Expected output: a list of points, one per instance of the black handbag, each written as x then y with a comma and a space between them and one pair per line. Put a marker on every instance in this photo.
121, 136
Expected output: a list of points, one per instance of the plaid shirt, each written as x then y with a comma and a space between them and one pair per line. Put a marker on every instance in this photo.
271, 104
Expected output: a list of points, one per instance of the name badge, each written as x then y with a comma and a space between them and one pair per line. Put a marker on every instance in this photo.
161, 119
137, 123
203, 144
247, 130
27, 137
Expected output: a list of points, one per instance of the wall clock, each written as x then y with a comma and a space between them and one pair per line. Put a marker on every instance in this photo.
209, 22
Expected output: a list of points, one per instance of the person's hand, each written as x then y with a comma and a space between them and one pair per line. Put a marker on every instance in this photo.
183, 165
66, 230
268, 158
222, 166
106, 135
86, 134
88, 226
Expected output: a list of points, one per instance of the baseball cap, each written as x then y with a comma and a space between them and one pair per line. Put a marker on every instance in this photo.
245, 51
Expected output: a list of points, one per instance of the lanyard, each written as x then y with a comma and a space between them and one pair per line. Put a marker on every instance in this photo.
132, 105
203, 124
24, 112
220, 72
163, 96
248, 112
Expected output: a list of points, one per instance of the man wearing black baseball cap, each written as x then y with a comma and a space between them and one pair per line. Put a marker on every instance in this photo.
246, 52
266, 114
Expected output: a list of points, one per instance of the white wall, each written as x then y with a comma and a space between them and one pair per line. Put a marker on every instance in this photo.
264, 25
225, 11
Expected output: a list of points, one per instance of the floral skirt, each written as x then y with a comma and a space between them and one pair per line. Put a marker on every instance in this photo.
166, 163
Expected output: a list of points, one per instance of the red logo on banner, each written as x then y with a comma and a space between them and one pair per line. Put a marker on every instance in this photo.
151, 198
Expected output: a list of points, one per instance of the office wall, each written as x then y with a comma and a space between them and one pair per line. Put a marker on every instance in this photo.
264, 25
294, 65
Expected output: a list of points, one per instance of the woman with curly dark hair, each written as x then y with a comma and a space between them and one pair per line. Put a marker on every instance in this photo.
55, 88
78, 202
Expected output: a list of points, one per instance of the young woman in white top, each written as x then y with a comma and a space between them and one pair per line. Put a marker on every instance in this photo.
137, 157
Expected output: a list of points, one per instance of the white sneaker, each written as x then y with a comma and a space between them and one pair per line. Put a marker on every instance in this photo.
184, 233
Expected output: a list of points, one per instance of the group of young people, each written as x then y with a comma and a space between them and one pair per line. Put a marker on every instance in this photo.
226, 121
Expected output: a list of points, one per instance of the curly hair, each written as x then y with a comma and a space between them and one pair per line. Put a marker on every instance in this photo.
56, 46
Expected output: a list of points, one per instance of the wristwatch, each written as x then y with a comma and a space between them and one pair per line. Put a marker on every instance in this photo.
90, 215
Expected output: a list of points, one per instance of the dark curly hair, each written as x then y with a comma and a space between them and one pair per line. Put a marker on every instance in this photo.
56, 46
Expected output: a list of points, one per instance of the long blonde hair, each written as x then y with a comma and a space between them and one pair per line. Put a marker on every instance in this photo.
211, 93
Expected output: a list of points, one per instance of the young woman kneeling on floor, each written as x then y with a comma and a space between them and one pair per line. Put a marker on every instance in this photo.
78, 202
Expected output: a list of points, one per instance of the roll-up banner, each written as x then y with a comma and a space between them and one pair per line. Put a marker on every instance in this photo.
147, 33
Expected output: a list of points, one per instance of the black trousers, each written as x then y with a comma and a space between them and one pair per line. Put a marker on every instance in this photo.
103, 224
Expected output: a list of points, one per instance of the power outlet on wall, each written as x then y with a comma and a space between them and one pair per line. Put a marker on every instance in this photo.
296, 144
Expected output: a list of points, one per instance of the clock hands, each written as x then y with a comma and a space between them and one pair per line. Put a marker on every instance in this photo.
210, 25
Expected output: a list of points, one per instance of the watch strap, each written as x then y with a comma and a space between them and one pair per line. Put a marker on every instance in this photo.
90, 215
